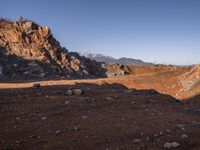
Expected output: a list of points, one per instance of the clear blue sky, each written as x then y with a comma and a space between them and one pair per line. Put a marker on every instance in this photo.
165, 31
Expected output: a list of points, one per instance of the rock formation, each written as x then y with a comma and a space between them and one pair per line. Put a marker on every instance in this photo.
30, 50
191, 78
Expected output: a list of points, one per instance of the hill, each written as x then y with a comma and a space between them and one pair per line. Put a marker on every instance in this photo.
111, 60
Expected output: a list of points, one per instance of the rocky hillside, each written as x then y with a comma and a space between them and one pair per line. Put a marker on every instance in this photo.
190, 79
29, 50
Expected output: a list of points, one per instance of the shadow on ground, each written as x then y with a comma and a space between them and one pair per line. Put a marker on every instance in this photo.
107, 116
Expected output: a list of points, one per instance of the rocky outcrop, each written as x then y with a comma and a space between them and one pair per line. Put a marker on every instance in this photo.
116, 70
190, 79
30, 50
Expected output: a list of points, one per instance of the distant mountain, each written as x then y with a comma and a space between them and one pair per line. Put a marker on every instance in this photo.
111, 60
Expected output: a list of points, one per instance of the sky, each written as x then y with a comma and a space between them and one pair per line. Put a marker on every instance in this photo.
159, 31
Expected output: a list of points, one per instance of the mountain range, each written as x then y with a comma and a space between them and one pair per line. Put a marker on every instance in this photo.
112, 60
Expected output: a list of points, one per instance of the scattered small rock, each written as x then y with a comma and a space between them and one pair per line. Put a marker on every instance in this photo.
18, 142
168, 130
141, 133
77, 92
184, 136
155, 135
76, 128
84, 117
33, 136
129, 91
161, 133
175, 144
108, 98
180, 126
169, 145
68, 92
57, 132
137, 140
44, 118
67, 102
133, 102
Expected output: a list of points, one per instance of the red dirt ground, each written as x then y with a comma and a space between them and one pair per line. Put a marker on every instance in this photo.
108, 116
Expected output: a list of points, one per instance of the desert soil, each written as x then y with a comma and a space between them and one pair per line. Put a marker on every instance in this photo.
107, 116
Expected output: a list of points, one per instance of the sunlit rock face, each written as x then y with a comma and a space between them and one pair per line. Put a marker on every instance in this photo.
24, 42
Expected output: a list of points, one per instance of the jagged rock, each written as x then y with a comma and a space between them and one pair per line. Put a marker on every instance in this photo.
190, 79
114, 70
36, 53
28, 27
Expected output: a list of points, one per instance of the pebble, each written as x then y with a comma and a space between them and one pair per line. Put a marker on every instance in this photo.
77, 92
180, 126
184, 136
76, 128
161, 133
155, 135
44, 118
17, 142
33, 136
175, 144
141, 133
137, 140
84, 117
108, 99
169, 145
129, 91
66, 102
168, 130
68, 92
133, 102
58, 131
